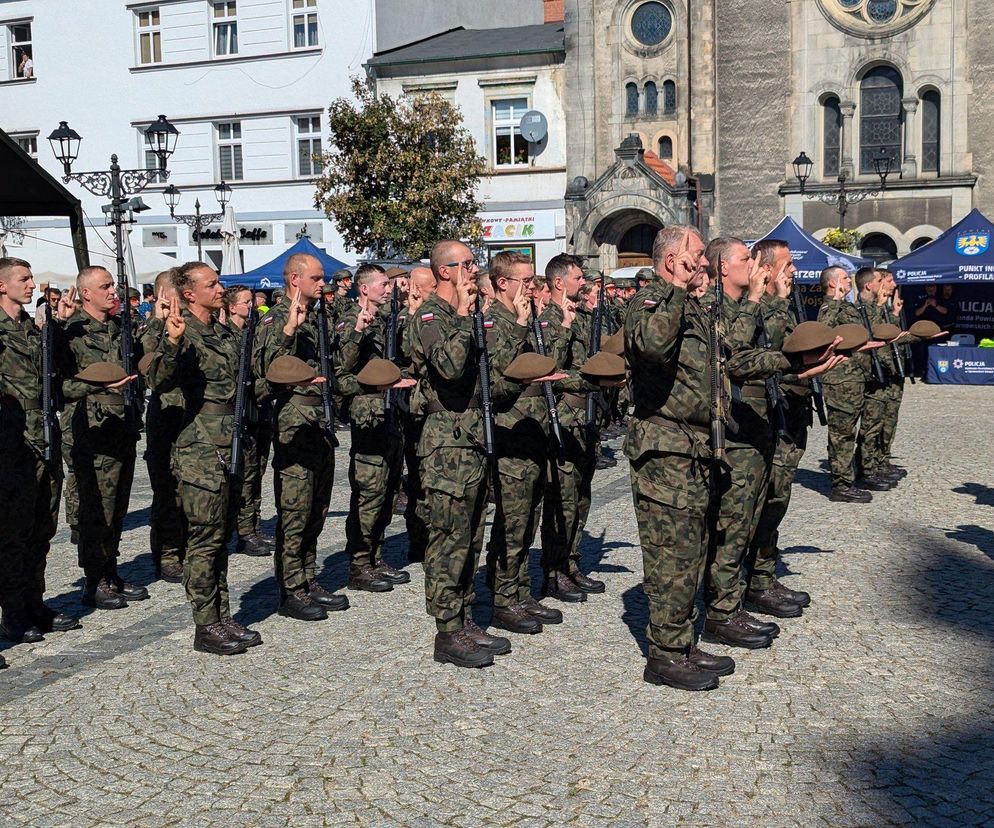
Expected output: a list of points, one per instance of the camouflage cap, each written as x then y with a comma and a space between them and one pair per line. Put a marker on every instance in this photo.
603, 366
853, 336
886, 332
341, 275
614, 344
328, 289
101, 373
289, 370
394, 272
529, 366
809, 336
924, 328
378, 372
646, 274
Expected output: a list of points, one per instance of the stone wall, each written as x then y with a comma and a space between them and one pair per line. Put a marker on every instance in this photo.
981, 110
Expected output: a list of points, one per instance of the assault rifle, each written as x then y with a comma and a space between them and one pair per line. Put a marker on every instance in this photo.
128, 363
817, 393
550, 395
48, 402
717, 356
483, 361
878, 369
594, 399
243, 391
390, 346
328, 386
773, 392
909, 354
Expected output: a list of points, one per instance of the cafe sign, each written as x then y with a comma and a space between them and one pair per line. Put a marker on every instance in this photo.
509, 227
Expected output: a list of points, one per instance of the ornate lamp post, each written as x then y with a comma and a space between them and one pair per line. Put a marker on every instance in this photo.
843, 196
197, 220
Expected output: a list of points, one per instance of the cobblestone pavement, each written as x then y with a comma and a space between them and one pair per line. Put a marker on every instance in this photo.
875, 708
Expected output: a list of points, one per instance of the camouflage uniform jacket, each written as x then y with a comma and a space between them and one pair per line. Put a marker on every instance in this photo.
836, 312
444, 359
154, 332
20, 382
568, 347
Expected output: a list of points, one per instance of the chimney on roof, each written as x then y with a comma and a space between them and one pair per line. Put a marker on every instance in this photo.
553, 11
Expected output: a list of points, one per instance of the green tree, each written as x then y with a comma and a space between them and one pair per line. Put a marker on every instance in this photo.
845, 240
401, 173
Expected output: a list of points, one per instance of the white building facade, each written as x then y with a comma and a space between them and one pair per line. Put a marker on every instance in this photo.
246, 82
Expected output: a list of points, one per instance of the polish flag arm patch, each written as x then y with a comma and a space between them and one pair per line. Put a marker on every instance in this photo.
428, 317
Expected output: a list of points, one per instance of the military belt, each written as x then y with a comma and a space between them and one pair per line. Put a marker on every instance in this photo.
107, 399
798, 390
306, 399
753, 392
24, 403
576, 400
436, 406
673, 425
217, 409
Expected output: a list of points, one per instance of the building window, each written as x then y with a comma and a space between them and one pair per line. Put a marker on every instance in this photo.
229, 151
510, 148
880, 117
149, 36
22, 64
28, 143
305, 23
651, 98
308, 145
831, 137
631, 100
666, 148
651, 23
879, 247
669, 98
225, 28
931, 112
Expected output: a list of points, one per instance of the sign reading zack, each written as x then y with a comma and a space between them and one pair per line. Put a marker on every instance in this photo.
502, 227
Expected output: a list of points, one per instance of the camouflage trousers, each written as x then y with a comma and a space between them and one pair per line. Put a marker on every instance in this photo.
304, 465
258, 439
567, 503
869, 446
375, 481
740, 490
844, 405
895, 396
761, 560
167, 531
209, 507
31, 492
671, 494
416, 515
455, 481
518, 492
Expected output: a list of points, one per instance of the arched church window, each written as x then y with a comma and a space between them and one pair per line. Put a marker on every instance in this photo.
631, 99
931, 112
831, 136
880, 117
651, 98
651, 23
669, 98
665, 148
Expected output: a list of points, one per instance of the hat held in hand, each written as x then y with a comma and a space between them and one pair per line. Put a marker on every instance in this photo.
853, 336
289, 370
529, 366
603, 366
378, 372
614, 344
886, 332
101, 373
809, 336
925, 329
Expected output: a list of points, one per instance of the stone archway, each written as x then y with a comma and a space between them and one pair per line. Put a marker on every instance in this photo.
624, 239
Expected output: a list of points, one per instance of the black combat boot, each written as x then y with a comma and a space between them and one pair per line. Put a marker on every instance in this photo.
586, 584
250, 638
50, 620
495, 644
385, 572
516, 619
331, 601
20, 628
680, 672
547, 615
872, 483
98, 593
130, 592
849, 494
169, 570
253, 545
735, 633
796, 596
771, 602
460, 649
561, 586
215, 638
605, 462
301, 606
762, 627
719, 665
364, 577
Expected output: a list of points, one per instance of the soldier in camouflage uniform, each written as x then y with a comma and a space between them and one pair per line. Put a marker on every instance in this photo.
891, 313
342, 284
567, 493
376, 456
31, 488
163, 423
255, 439
453, 462
845, 388
199, 357
98, 442
521, 438
304, 450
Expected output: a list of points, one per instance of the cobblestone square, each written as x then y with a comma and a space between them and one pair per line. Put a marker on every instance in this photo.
873, 709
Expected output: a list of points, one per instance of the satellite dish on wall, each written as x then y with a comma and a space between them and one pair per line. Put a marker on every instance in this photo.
534, 126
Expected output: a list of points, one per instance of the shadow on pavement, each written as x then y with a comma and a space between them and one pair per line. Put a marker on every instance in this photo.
977, 536
636, 616
984, 494
820, 482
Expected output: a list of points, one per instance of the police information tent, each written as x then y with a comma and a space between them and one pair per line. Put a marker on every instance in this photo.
961, 255
810, 256
271, 275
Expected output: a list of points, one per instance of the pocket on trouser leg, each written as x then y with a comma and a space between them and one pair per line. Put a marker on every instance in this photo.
294, 489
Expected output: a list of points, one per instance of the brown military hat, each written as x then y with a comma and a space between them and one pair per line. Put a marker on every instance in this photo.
614, 344
886, 332
394, 272
101, 373
529, 366
145, 363
809, 336
924, 328
378, 372
853, 336
603, 366
289, 370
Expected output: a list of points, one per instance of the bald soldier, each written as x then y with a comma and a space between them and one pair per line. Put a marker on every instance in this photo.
98, 442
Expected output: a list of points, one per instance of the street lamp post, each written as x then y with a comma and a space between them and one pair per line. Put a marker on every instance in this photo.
122, 186
843, 196
197, 220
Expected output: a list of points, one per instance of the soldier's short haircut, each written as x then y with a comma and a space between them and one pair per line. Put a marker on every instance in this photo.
231, 294
90, 270
720, 248
830, 274
441, 254
367, 272
183, 275
8, 263
668, 239
765, 250
864, 276
502, 265
165, 279
296, 262
558, 266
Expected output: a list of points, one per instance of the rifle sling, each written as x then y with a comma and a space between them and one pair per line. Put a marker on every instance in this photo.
24, 403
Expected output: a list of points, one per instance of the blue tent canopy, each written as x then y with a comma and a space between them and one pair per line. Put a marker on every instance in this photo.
271, 275
961, 255
810, 256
